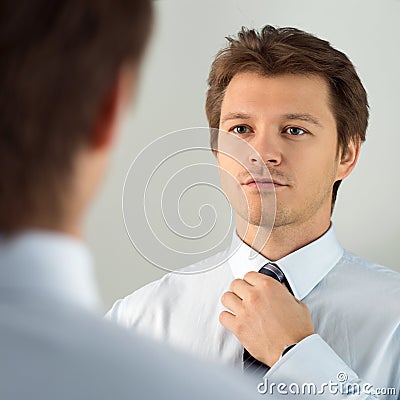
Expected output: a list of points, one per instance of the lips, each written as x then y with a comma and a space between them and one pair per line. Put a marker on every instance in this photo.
263, 182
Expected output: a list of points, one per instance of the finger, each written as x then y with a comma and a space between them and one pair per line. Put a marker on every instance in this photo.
257, 279
240, 287
227, 319
231, 301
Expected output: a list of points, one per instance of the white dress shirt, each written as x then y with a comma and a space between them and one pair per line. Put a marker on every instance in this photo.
55, 345
354, 305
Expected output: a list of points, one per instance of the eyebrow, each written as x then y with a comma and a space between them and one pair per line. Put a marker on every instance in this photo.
304, 117
235, 115
292, 116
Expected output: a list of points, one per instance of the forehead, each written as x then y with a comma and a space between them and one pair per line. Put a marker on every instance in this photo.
266, 96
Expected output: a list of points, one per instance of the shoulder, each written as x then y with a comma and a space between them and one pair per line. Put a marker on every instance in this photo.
367, 282
174, 288
65, 352
369, 271
56, 347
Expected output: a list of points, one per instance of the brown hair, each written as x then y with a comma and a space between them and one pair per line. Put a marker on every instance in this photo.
277, 51
58, 60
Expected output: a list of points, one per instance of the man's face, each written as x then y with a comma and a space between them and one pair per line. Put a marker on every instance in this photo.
288, 121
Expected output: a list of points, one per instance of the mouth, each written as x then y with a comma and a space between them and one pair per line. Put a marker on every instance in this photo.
263, 183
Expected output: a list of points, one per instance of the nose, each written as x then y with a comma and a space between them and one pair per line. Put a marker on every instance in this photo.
265, 149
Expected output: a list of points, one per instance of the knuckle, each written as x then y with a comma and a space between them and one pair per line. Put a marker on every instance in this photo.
267, 283
234, 284
222, 317
225, 297
253, 299
249, 274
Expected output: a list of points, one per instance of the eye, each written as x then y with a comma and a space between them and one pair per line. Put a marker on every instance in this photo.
295, 131
240, 129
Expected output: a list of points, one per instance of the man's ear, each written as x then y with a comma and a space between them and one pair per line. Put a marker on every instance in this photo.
105, 127
348, 159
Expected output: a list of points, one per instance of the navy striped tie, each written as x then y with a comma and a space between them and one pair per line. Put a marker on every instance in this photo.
250, 364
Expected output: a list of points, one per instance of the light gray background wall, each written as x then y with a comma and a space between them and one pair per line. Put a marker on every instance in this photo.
171, 97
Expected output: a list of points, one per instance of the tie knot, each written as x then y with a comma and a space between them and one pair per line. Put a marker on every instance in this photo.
273, 271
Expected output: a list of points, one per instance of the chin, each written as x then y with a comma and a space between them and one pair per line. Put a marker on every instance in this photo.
256, 218
285, 217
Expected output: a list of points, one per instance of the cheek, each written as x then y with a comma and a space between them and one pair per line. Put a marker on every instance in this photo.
314, 168
322, 176
228, 166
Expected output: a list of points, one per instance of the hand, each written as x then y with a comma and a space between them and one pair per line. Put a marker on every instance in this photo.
264, 316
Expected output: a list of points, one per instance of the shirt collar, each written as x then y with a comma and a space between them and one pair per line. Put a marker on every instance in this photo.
304, 268
45, 263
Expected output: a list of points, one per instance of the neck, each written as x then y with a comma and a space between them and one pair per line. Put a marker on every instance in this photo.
69, 229
66, 226
280, 241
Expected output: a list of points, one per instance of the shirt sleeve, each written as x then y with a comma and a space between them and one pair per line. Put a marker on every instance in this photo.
312, 369
134, 309
115, 312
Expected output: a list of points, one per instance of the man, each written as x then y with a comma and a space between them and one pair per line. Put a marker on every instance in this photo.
300, 105
67, 72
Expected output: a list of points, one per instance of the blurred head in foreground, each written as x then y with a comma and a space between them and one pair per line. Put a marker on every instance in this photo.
68, 69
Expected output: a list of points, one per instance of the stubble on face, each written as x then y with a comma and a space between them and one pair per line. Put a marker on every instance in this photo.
307, 165
320, 196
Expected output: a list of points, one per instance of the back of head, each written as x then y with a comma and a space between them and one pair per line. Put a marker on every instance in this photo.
59, 58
